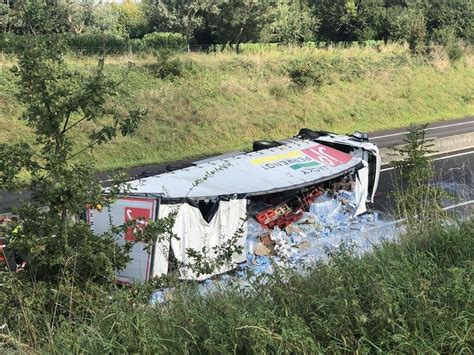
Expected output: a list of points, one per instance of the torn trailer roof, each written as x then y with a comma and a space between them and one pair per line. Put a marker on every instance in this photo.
293, 164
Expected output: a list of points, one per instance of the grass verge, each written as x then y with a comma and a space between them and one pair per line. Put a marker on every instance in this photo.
201, 104
412, 296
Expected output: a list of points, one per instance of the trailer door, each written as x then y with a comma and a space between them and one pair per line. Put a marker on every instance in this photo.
121, 211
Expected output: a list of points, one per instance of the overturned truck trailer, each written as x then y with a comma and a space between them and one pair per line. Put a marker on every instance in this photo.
212, 199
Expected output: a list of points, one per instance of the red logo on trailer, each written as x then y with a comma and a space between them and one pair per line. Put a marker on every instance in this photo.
327, 155
141, 216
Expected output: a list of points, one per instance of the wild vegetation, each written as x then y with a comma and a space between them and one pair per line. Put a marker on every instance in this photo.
413, 295
232, 22
200, 104
289, 73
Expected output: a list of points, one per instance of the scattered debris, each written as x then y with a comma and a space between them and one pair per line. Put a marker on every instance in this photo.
162, 296
289, 211
329, 222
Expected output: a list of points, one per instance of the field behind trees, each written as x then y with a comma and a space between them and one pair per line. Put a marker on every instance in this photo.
201, 104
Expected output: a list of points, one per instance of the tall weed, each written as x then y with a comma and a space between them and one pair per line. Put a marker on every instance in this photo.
411, 296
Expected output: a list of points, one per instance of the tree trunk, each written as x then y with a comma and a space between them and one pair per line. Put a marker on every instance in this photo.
237, 40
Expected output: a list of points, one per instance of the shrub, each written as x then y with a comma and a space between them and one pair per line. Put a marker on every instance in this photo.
160, 40
418, 290
89, 43
167, 66
454, 52
417, 200
308, 72
447, 38
318, 71
10, 43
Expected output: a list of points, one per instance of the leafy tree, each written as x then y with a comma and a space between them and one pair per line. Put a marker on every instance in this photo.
415, 25
181, 16
132, 18
90, 16
58, 101
82, 16
370, 21
6, 14
455, 16
338, 18
30, 14
407, 24
239, 21
106, 18
294, 23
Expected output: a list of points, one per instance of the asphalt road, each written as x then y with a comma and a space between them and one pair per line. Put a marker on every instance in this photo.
392, 137
454, 173
388, 138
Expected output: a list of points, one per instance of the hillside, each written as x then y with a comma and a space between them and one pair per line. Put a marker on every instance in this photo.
202, 104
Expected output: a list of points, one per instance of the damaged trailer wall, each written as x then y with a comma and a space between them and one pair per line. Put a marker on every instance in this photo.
191, 230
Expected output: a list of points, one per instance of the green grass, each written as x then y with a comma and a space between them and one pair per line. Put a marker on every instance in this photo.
222, 102
414, 296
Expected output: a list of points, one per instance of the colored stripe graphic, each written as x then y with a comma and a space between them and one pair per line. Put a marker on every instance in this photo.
272, 158
304, 165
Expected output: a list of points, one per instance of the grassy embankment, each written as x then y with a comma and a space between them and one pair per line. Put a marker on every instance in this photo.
225, 101
415, 296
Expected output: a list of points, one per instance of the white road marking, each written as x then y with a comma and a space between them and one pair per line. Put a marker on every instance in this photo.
428, 129
436, 159
458, 205
447, 208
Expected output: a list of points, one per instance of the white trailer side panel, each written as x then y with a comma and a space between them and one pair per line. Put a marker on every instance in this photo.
121, 211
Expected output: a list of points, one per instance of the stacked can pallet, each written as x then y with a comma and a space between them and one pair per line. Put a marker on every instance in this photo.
289, 211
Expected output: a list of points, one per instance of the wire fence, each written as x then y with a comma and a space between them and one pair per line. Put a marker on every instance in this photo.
122, 46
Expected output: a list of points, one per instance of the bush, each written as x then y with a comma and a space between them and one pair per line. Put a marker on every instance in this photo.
447, 38
413, 296
318, 71
454, 52
168, 40
308, 72
167, 66
10, 43
89, 43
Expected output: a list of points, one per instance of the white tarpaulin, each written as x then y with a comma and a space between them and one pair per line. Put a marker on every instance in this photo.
361, 192
192, 231
295, 164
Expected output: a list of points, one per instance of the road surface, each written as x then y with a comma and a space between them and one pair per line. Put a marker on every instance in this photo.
392, 137
450, 167
454, 172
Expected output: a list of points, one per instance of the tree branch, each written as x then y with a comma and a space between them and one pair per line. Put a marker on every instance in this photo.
74, 124
66, 122
89, 146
